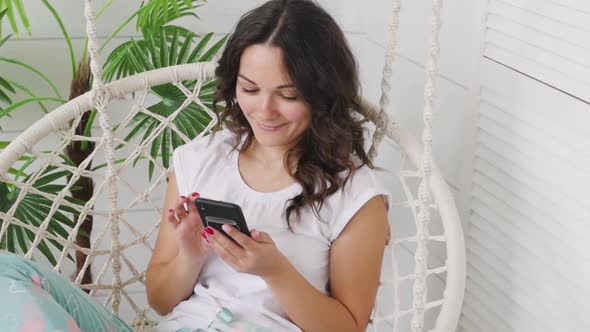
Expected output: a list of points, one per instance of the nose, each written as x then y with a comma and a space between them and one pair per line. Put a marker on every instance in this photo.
268, 108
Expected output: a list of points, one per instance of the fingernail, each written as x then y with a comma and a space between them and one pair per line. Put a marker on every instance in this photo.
171, 211
183, 197
195, 194
209, 230
226, 228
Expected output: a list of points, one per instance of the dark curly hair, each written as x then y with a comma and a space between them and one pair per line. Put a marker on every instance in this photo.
324, 72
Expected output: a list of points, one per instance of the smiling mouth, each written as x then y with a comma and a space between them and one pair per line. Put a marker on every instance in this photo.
269, 128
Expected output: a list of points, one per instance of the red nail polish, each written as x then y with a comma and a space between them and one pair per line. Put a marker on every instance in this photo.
204, 236
171, 211
195, 194
209, 230
183, 197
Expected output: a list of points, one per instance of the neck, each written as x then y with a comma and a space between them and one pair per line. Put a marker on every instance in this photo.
271, 157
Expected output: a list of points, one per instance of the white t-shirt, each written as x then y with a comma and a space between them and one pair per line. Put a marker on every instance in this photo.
209, 166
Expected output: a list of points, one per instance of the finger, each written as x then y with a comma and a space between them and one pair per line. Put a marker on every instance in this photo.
243, 240
182, 202
224, 241
262, 237
172, 217
204, 236
192, 208
223, 253
180, 209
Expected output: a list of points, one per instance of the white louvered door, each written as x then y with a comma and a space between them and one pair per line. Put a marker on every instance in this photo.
546, 39
528, 236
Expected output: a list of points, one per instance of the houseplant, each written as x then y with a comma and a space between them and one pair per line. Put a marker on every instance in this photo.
160, 43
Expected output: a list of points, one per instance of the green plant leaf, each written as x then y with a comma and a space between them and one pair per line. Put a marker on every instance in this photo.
14, 9
20, 239
16, 172
163, 48
34, 208
5, 39
158, 13
5, 99
166, 147
10, 239
198, 50
44, 180
160, 47
87, 130
37, 72
29, 93
154, 153
27, 214
64, 32
23, 102
208, 56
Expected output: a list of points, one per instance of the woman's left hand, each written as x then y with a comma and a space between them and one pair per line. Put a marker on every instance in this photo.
256, 254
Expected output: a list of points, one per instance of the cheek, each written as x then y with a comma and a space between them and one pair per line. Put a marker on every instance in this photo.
297, 113
247, 105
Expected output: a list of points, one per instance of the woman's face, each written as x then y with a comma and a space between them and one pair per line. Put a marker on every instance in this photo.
272, 105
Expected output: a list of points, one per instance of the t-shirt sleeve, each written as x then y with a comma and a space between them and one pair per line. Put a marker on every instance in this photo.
358, 191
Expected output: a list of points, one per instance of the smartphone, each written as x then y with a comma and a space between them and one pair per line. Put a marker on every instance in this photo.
217, 213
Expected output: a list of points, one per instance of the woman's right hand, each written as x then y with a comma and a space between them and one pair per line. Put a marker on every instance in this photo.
188, 227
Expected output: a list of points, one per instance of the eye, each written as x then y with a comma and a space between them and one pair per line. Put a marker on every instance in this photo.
249, 90
289, 98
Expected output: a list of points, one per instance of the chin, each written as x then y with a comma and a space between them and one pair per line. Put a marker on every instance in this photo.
271, 140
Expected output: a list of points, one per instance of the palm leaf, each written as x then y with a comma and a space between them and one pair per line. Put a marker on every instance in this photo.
23, 102
28, 92
34, 208
35, 71
157, 13
161, 47
3, 83
15, 10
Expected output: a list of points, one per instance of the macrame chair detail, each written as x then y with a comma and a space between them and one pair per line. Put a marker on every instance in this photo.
121, 249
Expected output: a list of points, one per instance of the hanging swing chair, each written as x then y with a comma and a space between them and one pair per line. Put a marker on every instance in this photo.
427, 297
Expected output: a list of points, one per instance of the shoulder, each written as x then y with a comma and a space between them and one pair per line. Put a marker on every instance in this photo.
363, 181
362, 177
213, 143
200, 157
363, 185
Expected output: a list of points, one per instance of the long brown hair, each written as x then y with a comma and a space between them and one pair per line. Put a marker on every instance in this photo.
324, 71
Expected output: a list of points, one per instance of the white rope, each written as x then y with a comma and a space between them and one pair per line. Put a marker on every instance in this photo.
100, 101
420, 290
419, 205
382, 122
98, 253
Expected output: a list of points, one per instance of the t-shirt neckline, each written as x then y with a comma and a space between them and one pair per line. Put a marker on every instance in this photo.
289, 191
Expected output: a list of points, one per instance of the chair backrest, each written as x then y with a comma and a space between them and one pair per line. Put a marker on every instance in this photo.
125, 222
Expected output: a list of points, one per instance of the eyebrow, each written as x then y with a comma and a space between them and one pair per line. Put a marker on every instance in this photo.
284, 86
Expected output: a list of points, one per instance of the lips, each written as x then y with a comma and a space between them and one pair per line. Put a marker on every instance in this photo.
270, 128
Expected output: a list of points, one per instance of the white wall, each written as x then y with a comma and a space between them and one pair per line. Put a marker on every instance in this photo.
365, 25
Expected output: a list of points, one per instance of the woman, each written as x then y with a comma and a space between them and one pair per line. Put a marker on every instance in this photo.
293, 157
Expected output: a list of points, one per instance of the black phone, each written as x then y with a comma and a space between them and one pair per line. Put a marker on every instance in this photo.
218, 213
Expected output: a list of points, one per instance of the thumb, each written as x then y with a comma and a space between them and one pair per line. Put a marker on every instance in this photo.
260, 236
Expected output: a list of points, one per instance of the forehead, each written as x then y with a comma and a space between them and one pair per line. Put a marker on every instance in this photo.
264, 65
